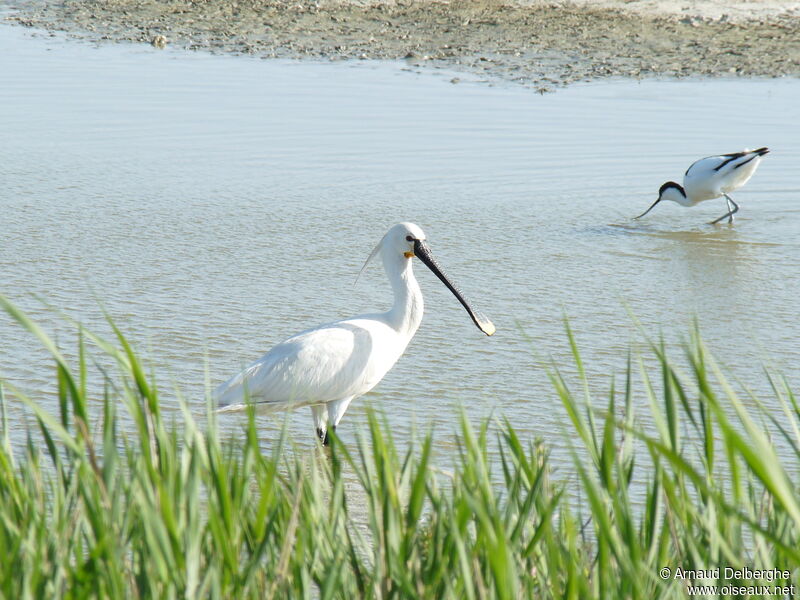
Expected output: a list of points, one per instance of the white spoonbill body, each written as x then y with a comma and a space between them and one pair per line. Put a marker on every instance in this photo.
328, 366
713, 177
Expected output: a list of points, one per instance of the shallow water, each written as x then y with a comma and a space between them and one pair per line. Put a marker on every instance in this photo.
215, 205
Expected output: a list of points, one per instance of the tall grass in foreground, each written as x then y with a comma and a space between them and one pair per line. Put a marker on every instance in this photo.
173, 511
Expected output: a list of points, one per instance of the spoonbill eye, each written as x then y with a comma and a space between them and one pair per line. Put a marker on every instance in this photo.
409, 238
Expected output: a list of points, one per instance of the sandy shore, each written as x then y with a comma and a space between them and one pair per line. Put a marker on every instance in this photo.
536, 43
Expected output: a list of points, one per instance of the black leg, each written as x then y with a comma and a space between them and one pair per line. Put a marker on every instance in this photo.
322, 434
326, 441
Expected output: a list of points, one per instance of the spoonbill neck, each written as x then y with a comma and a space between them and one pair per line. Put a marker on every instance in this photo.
406, 313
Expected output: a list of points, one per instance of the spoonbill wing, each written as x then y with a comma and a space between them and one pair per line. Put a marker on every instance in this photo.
320, 365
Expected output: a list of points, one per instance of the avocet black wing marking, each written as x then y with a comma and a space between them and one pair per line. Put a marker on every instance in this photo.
729, 158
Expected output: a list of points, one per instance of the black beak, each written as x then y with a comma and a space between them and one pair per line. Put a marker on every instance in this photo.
423, 252
649, 209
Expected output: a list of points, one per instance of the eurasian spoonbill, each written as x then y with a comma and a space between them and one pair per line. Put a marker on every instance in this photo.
328, 366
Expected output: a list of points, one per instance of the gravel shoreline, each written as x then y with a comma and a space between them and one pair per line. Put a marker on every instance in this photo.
539, 45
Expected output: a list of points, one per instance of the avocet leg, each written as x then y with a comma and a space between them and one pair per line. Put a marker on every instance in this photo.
730, 213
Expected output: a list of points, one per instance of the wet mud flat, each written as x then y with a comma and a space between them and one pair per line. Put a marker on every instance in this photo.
539, 45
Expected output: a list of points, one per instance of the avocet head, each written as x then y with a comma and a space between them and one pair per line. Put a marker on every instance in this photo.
669, 191
409, 241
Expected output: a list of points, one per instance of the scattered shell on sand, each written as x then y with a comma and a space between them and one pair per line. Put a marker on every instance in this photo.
540, 44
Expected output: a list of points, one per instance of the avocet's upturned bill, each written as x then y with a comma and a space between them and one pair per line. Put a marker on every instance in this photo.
328, 366
712, 177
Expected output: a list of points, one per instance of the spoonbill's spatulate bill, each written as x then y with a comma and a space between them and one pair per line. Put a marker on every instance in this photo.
328, 366
712, 177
